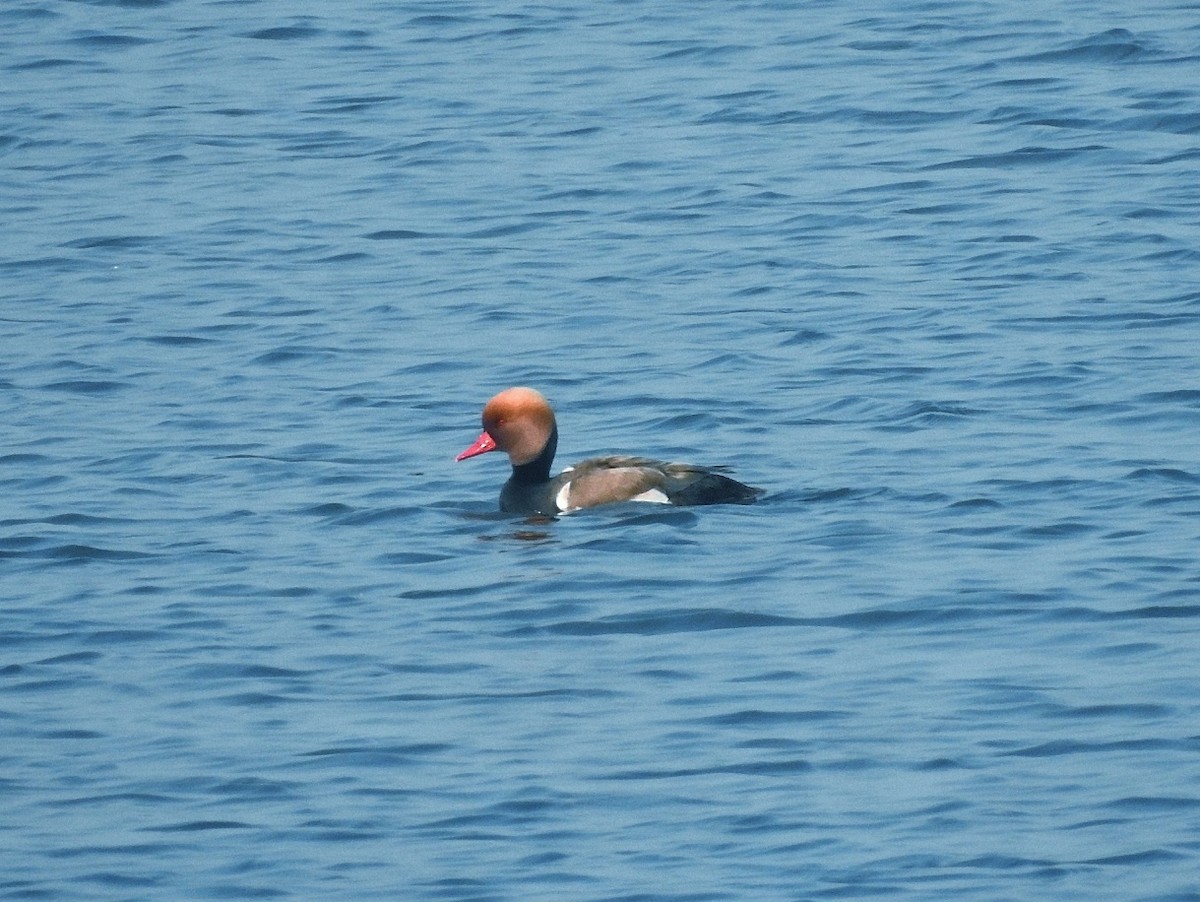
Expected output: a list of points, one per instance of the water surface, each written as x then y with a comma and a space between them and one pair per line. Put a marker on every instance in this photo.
925, 273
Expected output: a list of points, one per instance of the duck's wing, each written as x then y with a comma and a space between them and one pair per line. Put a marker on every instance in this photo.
604, 480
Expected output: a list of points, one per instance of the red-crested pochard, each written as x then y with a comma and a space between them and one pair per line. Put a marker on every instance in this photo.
521, 422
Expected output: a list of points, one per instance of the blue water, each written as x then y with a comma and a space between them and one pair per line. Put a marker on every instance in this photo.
927, 272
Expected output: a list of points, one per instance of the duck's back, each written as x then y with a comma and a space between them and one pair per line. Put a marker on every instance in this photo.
605, 480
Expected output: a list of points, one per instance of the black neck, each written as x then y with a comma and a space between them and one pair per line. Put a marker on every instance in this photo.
538, 469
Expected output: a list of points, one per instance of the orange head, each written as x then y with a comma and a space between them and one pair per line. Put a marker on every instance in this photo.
518, 421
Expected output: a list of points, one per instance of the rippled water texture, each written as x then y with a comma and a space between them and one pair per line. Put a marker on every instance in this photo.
926, 272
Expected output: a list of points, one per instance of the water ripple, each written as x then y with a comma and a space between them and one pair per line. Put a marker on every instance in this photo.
926, 273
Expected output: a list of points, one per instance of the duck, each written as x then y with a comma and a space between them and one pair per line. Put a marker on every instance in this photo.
520, 422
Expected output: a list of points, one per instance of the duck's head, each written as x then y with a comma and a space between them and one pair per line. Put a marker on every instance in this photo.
518, 421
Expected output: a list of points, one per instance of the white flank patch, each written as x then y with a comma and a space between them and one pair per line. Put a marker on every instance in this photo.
563, 499
653, 495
